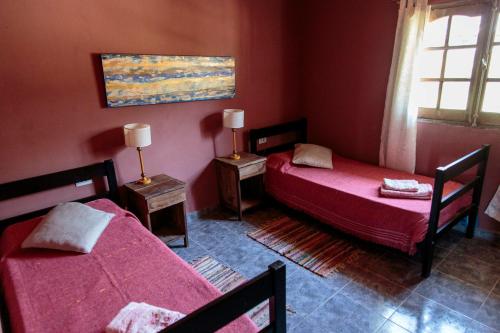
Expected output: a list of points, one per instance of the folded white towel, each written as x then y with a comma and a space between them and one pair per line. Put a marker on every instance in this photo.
404, 185
424, 193
142, 318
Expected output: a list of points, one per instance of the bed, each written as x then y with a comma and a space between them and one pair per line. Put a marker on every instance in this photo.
347, 197
56, 291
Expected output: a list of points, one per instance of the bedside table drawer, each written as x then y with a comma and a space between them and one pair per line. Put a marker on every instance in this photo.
252, 170
163, 201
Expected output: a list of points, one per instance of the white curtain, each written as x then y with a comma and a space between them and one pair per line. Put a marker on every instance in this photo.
399, 129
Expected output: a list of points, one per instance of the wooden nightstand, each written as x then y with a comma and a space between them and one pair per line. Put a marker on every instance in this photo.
160, 206
241, 182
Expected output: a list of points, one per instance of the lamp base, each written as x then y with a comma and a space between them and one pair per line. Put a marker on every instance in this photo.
144, 181
234, 156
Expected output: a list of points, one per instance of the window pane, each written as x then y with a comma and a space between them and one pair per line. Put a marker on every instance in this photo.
491, 102
455, 95
430, 64
427, 94
464, 30
435, 32
459, 63
494, 71
497, 34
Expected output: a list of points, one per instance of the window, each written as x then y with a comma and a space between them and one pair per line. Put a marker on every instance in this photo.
459, 66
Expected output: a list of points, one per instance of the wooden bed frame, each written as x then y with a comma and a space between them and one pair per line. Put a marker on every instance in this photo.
271, 284
477, 158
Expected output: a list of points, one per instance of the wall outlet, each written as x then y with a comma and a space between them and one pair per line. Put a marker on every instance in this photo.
84, 183
261, 141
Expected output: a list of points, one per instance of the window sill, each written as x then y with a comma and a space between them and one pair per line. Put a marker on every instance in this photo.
456, 123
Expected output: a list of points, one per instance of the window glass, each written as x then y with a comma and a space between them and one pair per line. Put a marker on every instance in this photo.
431, 64
435, 32
455, 95
491, 102
464, 30
494, 70
459, 63
427, 94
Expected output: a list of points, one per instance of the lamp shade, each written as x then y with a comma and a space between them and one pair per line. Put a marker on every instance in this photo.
137, 135
233, 118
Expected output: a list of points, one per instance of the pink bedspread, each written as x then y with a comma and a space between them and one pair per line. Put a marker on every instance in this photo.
55, 291
347, 198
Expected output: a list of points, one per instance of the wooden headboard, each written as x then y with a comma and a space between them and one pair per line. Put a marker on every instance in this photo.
298, 127
50, 181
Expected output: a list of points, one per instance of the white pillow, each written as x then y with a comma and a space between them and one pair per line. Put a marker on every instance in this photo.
312, 155
70, 226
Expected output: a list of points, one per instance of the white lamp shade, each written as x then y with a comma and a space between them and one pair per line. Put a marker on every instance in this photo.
233, 118
137, 135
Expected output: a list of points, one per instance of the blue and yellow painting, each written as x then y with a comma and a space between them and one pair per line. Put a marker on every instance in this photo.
156, 79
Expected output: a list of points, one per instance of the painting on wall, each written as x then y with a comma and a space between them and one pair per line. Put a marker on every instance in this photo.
156, 79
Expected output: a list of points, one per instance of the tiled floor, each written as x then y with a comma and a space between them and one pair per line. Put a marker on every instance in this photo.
380, 291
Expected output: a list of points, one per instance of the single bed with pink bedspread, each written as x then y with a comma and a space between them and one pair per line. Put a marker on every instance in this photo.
56, 291
347, 198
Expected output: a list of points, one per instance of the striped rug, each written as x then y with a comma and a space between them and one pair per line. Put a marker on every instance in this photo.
226, 279
305, 244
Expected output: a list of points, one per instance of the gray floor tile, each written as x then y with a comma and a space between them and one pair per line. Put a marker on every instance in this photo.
361, 294
212, 234
480, 248
489, 313
306, 292
375, 292
476, 327
258, 264
419, 314
307, 325
496, 290
192, 252
340, 314
455, 294
390, 327
397, 269
293, 320
470, 269
237, 252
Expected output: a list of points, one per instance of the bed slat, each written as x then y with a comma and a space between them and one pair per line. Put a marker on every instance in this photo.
299, 127
458, 193
463, 164
51, 181
235, 303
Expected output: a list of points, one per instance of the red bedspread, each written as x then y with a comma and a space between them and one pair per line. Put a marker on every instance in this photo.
347, 198
55, 291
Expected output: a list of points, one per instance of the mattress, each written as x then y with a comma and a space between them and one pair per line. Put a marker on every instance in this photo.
55, 291
348, 199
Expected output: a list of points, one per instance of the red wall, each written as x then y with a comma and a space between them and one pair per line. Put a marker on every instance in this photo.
346, 58
52, 102
347, 51
52, 98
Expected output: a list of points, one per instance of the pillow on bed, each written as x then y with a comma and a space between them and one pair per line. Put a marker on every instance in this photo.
312, 155
70, 226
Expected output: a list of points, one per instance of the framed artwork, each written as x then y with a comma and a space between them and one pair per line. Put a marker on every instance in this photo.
156, 79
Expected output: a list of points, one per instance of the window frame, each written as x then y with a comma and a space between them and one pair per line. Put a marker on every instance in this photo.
481, 117
472, 115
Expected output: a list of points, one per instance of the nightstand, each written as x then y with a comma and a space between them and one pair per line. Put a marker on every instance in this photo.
241, 182
160, 206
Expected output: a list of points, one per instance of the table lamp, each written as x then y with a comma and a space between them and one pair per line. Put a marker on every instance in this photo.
138, 136
233, 118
